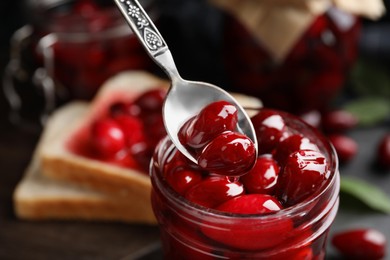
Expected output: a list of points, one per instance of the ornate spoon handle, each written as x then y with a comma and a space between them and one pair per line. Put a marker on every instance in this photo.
147, 33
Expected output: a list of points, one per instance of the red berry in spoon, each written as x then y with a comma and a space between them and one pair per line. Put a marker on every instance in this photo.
213, 191
107, 137
251, 204
383, 153
270, 128
262, 178
211, 121
230, 154
360, 244
304, 173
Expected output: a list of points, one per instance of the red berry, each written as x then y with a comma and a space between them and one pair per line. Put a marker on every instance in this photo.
383, 153
85, 7
251, 204
360, 244
211, 121
183, 178
213, 191
230, 154
262, 178
107, 137
123, 108
270, 128
345, 147
151, 101
154, 127
303, 174
178, 160
338, 121
132, 128
292, 144
245, 234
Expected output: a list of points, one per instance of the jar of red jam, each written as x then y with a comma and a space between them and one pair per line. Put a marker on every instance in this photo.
67, 49
309, 76
82, 43
193, 231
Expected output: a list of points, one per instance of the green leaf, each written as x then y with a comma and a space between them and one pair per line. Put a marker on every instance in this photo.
367, 193
369, 110
370, 78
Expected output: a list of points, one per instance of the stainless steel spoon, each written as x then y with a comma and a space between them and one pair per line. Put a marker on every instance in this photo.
185, 98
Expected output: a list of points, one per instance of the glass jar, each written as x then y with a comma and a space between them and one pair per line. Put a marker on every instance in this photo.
308, 78
191, 231
68, 50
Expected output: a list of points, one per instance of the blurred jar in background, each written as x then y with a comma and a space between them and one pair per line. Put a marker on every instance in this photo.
293, 54
68, 49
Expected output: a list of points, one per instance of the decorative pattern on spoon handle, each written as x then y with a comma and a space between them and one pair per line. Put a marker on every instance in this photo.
142, 26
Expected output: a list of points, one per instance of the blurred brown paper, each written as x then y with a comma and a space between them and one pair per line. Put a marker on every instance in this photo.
278, 24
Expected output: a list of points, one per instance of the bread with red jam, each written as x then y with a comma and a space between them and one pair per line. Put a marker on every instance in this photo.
38, 197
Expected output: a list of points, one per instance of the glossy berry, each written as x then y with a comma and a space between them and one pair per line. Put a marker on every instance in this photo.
262, 178
124, 108
230, 154
270, 128
183, 178
151, 101
338, 121
251, 204
303, 174
383, 152
132, 128
213, 191
360, 244
292, 144
345, 147
178, 160
107, 137
211, 121
242, 233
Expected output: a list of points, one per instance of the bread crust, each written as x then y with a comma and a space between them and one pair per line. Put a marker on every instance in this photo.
61, 164
38, 197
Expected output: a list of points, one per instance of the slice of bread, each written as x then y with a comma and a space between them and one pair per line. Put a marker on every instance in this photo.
38, 197
59, 163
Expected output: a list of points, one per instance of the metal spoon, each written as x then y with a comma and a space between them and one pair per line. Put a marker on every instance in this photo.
185, 98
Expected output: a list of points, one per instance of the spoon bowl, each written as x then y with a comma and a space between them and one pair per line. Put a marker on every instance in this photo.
184, 99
